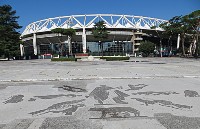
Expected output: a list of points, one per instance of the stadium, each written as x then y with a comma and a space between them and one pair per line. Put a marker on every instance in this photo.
126, 32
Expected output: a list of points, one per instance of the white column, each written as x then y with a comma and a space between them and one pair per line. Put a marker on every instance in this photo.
22, 49
178, 41
133, 41
84, 41
70, 45
34, 44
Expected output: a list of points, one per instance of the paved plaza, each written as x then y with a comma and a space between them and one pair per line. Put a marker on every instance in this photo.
142, 93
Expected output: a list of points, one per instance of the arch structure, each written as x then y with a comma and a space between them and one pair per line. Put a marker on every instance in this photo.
122, 28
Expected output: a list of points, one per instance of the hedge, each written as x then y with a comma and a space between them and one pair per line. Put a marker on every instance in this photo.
64, 59
115, 58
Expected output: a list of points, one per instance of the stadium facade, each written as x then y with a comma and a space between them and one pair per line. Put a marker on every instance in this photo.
125, 34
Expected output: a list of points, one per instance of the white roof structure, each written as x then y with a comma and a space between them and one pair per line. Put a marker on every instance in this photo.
88, 21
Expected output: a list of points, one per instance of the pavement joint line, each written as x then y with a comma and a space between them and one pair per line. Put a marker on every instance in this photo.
97, 78
36, 123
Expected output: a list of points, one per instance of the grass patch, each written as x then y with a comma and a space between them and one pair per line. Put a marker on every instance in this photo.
115, 58
64, 59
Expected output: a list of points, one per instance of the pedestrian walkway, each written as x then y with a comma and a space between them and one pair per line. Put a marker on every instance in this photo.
144, 94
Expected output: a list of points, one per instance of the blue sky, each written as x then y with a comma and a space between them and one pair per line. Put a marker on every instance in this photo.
34, 10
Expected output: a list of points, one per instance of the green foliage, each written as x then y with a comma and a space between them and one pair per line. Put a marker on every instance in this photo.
68, 32
193, 20
27, 36
64, 59
186, 26
99, 31
161, 35
168, 30
115, 58
9, 37
58, 30
146, 48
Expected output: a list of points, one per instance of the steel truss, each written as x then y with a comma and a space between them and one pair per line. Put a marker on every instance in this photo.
87, 21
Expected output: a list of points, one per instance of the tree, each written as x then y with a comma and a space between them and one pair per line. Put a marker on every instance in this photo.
178, 25
186, 26
9, 37
67, 32
59, 32
146, 48
193, 22
160, 35
167, 33
100, 33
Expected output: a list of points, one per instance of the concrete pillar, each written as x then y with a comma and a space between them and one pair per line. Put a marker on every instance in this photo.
34, 44
70, 45
52, 47
84, 41
133, 41
22, 49
38, 49
178, 41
